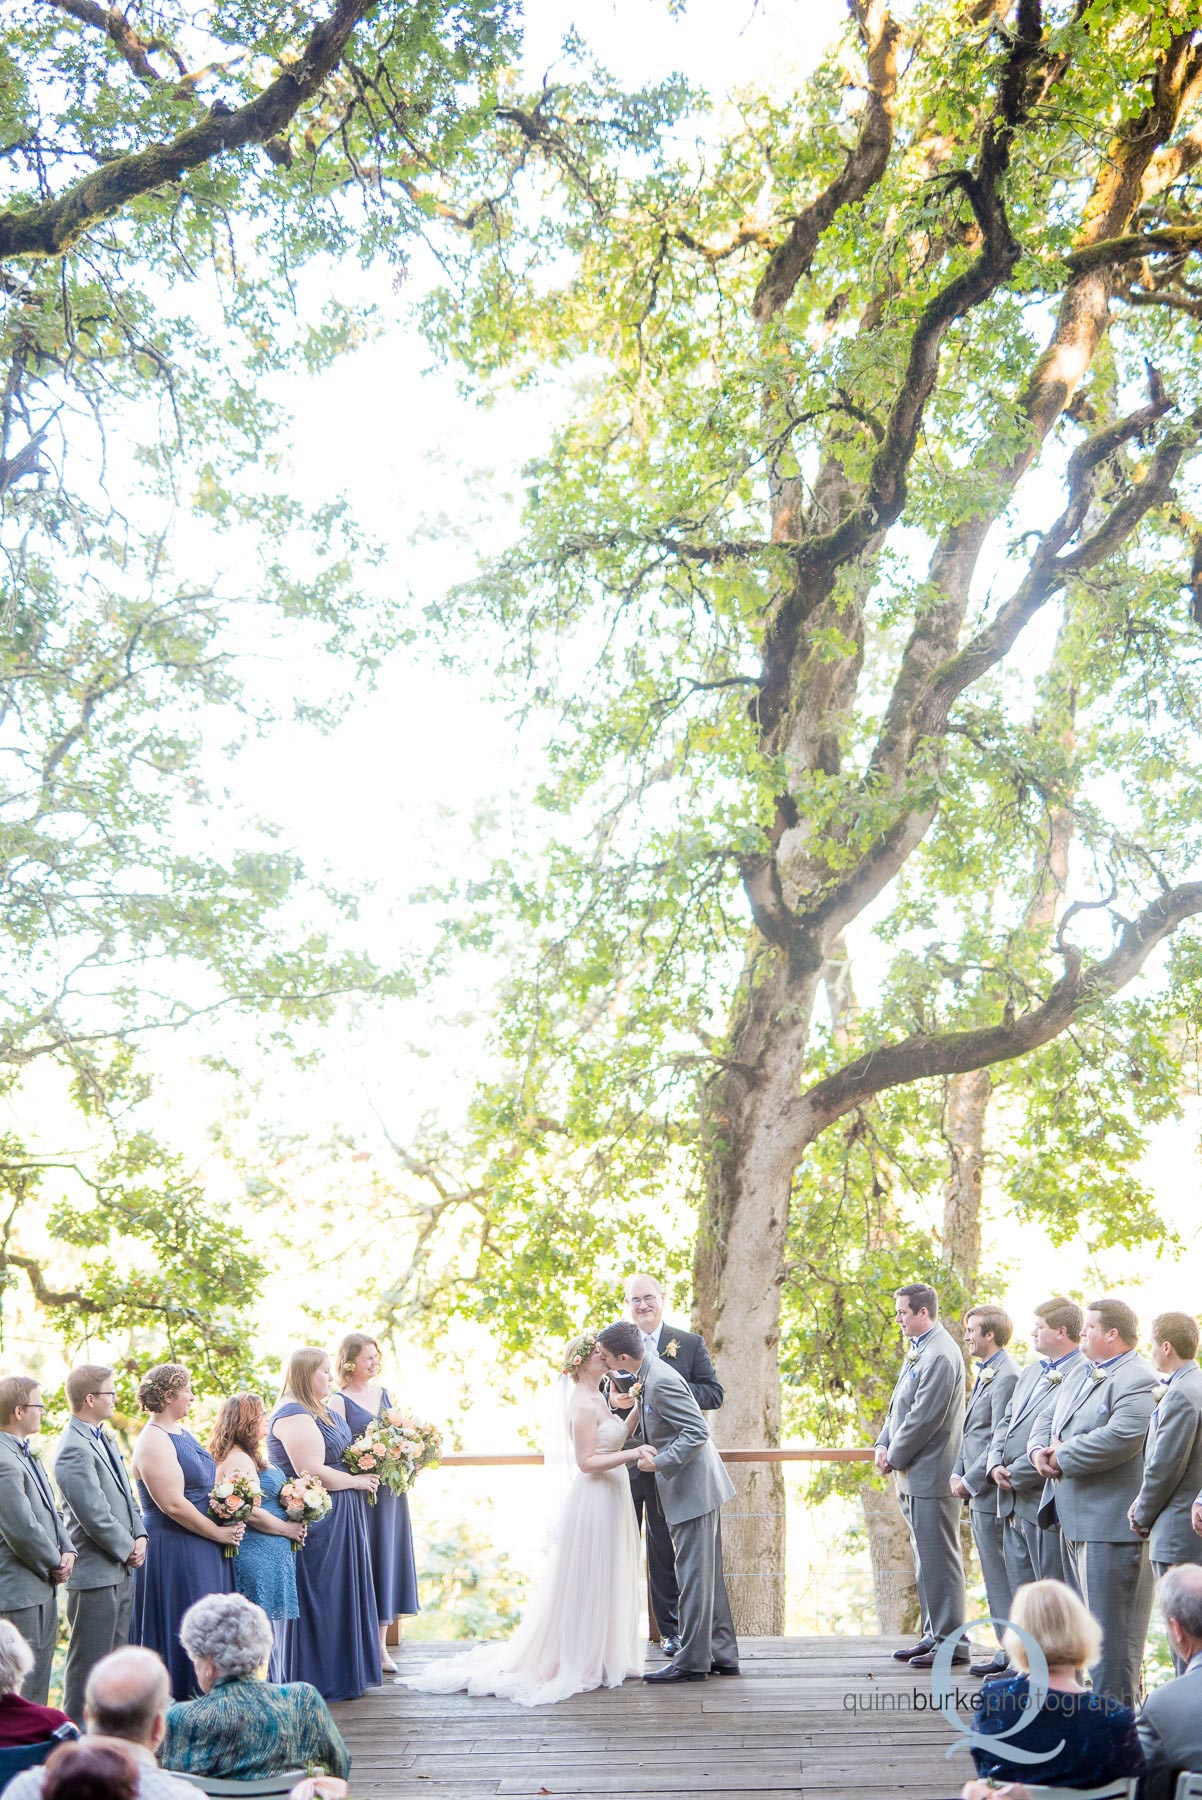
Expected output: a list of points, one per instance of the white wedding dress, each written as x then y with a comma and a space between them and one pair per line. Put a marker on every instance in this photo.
583, 1629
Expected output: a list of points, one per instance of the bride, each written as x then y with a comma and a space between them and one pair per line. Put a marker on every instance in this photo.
583, 1628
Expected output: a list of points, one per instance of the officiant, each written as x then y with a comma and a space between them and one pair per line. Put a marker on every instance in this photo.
685, 1352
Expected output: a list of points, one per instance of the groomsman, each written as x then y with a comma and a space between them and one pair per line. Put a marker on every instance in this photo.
105, 1526
988, 1330
919, 1443
1089, 1444
35, 1552
685, 1352
1033, 1553
1161, 1511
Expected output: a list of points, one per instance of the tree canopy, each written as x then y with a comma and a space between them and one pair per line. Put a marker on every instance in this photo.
862, 585
167, 177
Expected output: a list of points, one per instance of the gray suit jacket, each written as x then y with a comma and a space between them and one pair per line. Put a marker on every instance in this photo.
32, 1539
1103, 1425
1173, 1471
986, 1407
925, 1423
1170, 1730
102, 1515
689, 1477
1033, 1390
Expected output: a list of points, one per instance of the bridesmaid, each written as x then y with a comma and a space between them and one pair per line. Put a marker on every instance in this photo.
389, 1533
265, 1567
334, 1644
184, 1560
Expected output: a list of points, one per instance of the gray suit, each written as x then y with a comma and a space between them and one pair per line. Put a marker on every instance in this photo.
103, 1520
1170, 1730
1173, 1476
1032, 1553
986, 1408
692, 1486
922, 1434
32, 1543
1102, 1422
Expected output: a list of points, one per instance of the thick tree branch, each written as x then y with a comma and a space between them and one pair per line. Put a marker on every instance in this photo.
1168, 240
51, 228
53, 1299
865, 164
117, 28
918, 1058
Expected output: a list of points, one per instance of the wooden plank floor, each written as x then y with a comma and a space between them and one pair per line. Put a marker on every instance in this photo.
832, 1718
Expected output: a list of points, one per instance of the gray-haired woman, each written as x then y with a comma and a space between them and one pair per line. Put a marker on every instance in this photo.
21, 1722
243, 1727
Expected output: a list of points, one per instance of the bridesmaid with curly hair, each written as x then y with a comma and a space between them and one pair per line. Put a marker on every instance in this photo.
184, 1559
265, 1567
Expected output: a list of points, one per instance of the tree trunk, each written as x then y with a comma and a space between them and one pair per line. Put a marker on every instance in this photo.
964, 1127
892, 1561
739, 1263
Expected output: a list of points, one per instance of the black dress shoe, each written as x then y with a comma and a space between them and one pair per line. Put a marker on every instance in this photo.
724, 1668
926, 1660
914, 1650
996, 1666
670, 1645
670, 1672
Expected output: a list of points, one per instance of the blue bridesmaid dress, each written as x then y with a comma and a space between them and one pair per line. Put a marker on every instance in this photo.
180, 1568
265, 1571
334, 1643
389, 1533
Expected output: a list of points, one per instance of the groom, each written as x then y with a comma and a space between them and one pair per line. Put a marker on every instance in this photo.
692, 1486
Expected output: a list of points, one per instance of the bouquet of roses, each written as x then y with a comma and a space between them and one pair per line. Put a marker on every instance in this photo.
304, 1500
375, 1454
416, 1445
232, 1501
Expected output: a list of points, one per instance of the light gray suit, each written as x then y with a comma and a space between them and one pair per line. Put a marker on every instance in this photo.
1173, 1476
32, 1543
1102, 1421
103, 1520
1170, 1730
1032, 1553
986, 1408
692, 1486
922, 1434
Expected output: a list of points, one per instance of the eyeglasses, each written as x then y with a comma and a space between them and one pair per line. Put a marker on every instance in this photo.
641, 1301
33, 1406
103, 1394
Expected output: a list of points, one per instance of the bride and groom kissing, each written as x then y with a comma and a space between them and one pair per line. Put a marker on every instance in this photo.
583, 1628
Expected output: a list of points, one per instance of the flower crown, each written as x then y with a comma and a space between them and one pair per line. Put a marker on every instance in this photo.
578, 1352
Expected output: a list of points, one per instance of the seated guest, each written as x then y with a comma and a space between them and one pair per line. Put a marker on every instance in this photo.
21, 1722
1170, 1725
125, 1701
92, 1771
242, 1727
1098, 1734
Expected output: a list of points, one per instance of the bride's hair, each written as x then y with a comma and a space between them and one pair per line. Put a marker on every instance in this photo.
298, 1382
577, 1353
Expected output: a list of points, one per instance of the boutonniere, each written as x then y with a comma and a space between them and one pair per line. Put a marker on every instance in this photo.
987, 1376
911, 1354
1159, 1392
1097, 1376
671, 1348
1055, 1377
635, 1388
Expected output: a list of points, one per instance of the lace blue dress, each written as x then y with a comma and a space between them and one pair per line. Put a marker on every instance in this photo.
180, 1568
389, 1533
1099, 1736
265, 1571
334, 1642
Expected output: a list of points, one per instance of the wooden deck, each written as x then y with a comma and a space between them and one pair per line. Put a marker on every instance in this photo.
785, 1726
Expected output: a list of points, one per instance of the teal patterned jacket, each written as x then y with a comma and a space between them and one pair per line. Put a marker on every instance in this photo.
245, 1728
